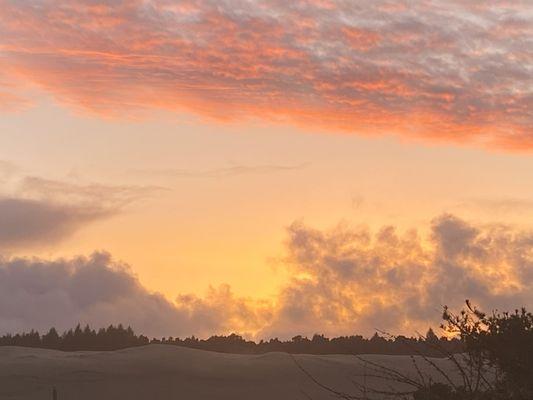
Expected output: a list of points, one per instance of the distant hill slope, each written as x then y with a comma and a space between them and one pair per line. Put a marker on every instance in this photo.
119, 337
171, 372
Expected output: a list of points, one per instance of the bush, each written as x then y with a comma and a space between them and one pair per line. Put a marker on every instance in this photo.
502, 340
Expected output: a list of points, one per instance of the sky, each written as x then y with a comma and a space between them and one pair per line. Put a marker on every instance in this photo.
267, 168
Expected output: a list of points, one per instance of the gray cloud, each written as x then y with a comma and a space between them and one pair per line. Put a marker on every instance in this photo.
342, 281
38, 211
27, 222
95, 290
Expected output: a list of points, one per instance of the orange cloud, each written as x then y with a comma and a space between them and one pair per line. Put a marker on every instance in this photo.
347, 280
342, 281
12, 102
10, 98
360, 39
454, 72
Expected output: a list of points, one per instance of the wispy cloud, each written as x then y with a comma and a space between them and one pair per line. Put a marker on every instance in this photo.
503, 205
39, 211
446, 71
10, 98
234, 170
12, 102
113, 197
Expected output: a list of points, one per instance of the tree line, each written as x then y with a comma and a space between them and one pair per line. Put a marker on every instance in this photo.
495, 363
110, 338
120, 337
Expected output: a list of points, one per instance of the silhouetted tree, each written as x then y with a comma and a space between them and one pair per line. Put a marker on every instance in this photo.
118, 337
51, 340
496, 362
504, 341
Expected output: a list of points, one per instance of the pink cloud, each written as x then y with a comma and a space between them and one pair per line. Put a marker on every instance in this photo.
440, 71
12, 102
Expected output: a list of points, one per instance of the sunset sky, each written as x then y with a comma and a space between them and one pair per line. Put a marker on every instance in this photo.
271, 168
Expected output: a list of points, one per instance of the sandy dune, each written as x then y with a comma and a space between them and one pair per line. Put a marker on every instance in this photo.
168, 372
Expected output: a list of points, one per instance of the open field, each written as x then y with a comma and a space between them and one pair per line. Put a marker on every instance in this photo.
170, 372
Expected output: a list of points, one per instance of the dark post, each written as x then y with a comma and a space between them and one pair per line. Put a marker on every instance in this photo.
54, 393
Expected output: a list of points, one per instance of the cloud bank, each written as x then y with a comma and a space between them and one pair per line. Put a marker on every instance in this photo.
448, 71
343, 281
38, 211
97, 290
27, 222
354, 281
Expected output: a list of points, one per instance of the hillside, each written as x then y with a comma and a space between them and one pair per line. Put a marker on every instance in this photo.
172, 372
